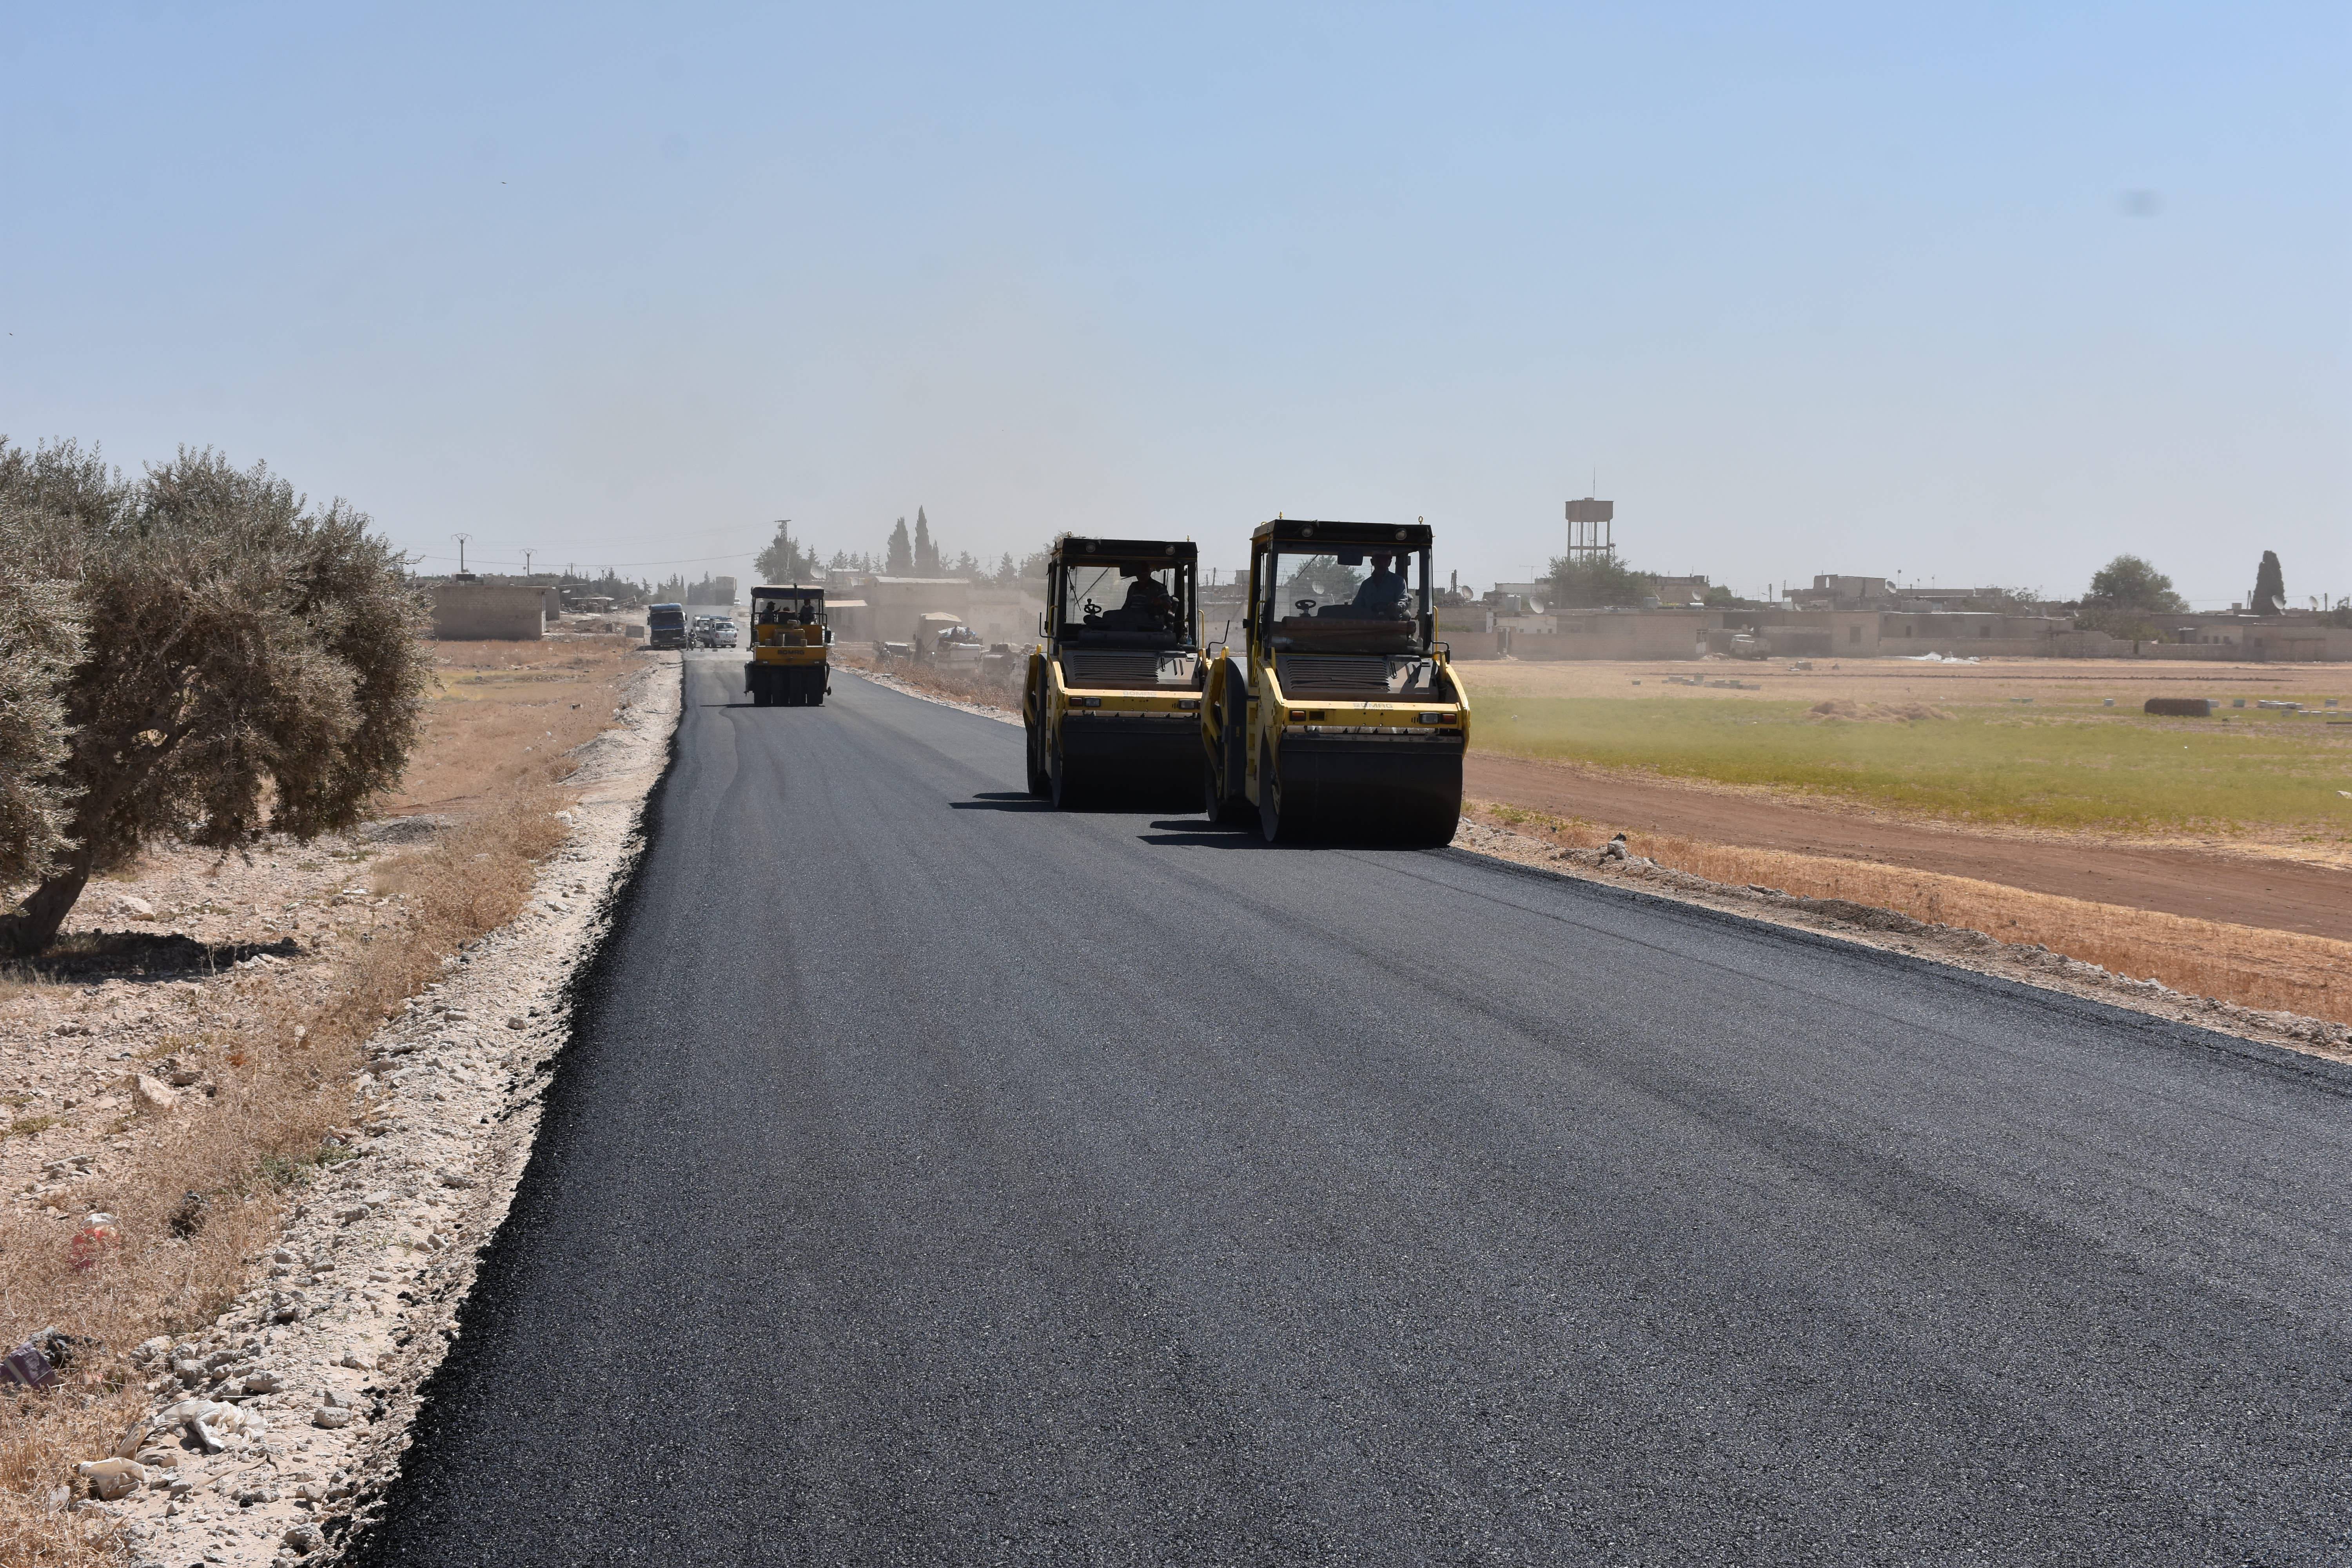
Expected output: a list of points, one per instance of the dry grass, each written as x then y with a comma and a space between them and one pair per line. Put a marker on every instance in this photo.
2245, 965
962, 682
267, 1131
15, 984
505, 715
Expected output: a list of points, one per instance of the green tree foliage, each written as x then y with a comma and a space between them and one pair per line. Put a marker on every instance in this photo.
40, 642
1597, 582
783, 561
2128, 596
898, 559
2129, 583
251, 663
2270, 586
926, 548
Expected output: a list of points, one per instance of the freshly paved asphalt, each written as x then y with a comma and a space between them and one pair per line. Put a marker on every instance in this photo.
940, 1179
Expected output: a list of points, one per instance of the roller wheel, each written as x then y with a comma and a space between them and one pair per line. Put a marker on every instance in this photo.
1273, 824
1061, 780
1430, 824
1233, 811
1041, 778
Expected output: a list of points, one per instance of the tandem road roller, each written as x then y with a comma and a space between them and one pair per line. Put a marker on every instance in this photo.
788, 639
1112, 699
1341, 718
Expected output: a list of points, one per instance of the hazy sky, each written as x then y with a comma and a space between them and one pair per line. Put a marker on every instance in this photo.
1971, 292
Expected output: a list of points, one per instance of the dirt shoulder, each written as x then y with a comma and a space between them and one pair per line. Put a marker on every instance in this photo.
262, 1112
2246, 890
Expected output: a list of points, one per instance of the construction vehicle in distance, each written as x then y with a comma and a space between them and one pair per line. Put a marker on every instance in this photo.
788, 638
1112, 696
942, 637
1341, 716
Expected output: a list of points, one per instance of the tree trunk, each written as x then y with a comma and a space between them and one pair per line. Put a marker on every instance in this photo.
28, 935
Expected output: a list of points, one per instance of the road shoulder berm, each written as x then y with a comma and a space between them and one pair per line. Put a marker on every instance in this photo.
273, 1434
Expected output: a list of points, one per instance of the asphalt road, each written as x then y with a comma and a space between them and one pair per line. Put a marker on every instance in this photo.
1047, 1188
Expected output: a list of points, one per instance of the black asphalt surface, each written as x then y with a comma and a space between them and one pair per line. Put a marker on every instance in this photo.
936, 1178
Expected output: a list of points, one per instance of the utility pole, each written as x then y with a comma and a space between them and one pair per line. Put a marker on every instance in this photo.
526, 566
461, 539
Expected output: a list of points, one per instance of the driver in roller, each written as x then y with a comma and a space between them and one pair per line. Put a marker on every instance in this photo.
1148, 600
1383, 593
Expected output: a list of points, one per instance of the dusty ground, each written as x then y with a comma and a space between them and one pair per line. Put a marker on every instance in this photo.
190, 935
2297, 888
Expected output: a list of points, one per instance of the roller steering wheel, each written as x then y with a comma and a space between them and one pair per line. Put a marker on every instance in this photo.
1304, 605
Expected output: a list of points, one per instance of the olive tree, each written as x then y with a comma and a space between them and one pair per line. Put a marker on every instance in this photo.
40, 639
250, 663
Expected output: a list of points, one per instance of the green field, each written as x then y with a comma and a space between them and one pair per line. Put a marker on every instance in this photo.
2083, 768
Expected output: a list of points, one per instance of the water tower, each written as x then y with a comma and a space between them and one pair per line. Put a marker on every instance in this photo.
1591, 532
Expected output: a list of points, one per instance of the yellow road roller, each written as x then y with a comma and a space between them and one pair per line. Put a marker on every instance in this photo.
1341, 718
1111, 701
788, 638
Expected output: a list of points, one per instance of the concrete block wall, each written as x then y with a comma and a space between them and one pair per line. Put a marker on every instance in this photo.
1606, 634
487, 611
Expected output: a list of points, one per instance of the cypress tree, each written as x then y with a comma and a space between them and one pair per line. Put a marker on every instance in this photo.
2270, 586
927, 550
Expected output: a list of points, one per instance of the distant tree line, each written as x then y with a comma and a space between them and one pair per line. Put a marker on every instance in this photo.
906, 554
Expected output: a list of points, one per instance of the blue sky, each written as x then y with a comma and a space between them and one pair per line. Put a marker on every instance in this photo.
1972, 293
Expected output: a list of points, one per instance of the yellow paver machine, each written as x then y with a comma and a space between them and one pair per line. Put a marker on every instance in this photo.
788, 638
1112, 700
1341, 716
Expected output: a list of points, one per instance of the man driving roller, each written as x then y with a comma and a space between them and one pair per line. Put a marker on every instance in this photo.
1148, 597
1383, 593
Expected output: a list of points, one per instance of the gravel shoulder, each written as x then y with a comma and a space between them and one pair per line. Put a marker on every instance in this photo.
272, 1432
